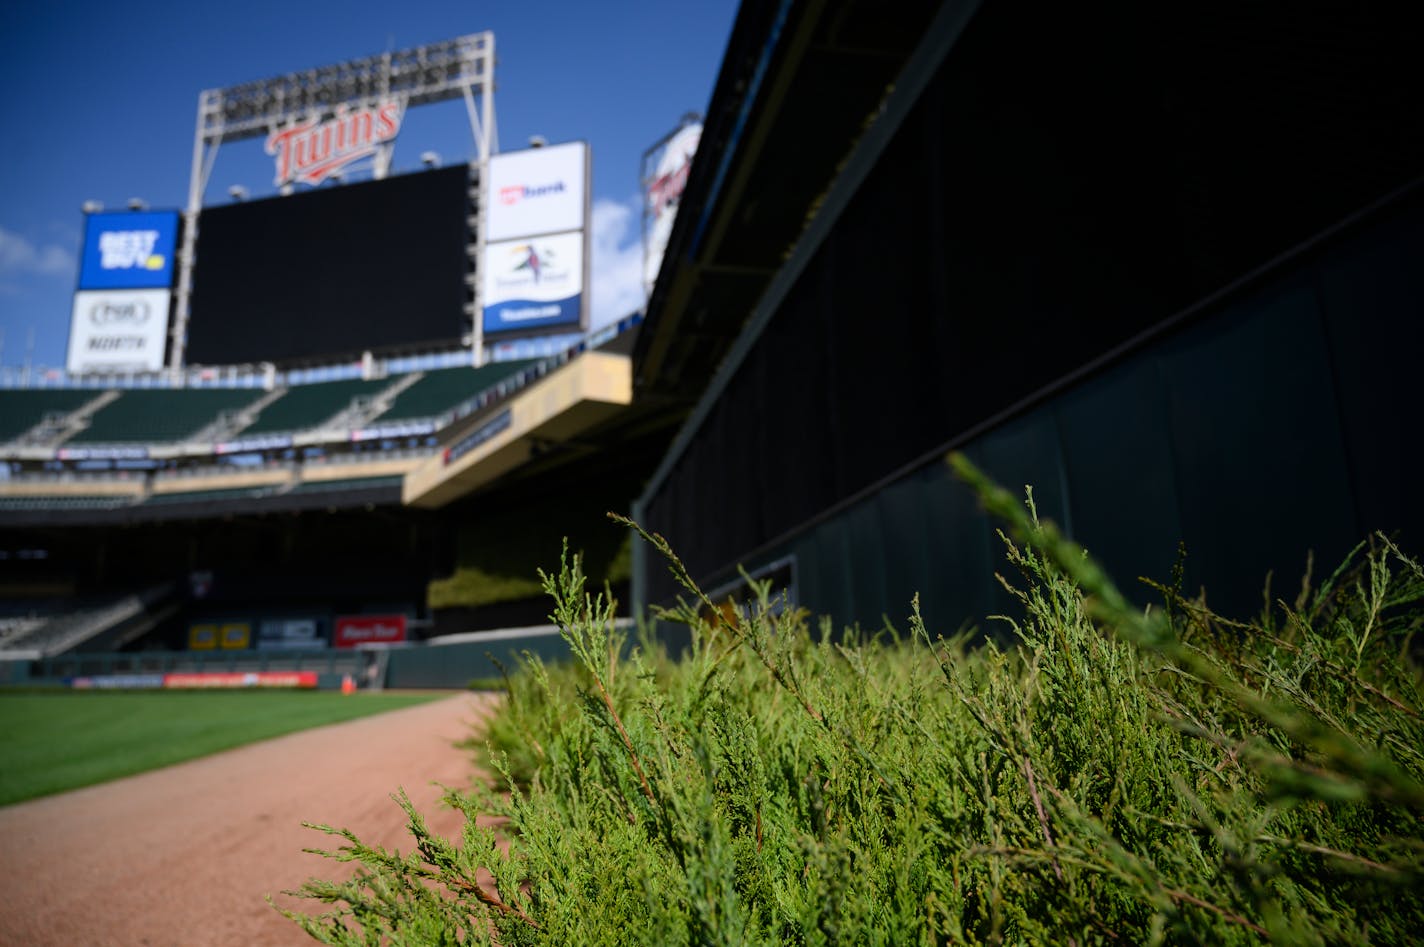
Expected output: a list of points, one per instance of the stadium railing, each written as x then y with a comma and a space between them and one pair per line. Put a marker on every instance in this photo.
265, 375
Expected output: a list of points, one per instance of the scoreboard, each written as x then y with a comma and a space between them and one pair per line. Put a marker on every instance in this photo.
335, 271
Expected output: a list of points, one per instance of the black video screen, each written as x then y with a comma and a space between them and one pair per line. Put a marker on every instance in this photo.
329, 273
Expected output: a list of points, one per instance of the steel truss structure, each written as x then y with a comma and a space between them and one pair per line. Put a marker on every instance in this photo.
462, 67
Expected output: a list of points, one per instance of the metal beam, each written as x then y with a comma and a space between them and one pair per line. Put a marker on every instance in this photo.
422, 74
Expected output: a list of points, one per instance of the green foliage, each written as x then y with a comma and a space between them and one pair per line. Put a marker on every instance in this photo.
52, 742
1114, 776
471, 587
501, 550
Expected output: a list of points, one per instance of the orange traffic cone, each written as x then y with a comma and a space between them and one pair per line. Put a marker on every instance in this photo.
348, 684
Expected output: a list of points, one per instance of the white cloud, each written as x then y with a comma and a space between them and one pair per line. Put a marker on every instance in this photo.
617, 279
20, 256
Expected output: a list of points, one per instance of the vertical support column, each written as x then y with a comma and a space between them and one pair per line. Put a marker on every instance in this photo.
482, 128
197, 184
489, 142
477, 333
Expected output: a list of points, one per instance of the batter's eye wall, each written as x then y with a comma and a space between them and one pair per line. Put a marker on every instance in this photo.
1070, 178
336, 271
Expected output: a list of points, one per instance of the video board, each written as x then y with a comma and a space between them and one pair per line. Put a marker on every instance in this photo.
333, 272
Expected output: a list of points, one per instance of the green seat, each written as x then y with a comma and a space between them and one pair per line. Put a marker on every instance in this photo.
307, 406
442, 390
21, 409
149, 416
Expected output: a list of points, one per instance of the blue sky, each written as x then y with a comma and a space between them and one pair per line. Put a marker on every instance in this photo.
101, 101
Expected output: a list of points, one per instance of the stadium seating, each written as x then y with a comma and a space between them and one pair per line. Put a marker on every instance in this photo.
22, 409
307, 406
75, 623
16, 628
443, 390
149, 416
100, 502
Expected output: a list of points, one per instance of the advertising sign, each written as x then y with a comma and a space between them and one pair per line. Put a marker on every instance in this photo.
202, 637
259, 442
121, 330
480, 435
285, 634
129, 250
395, 429
353, 630
533, 283
537, 191
101, 453
666, 170
118, 682
236, 636
309, 152
230, 679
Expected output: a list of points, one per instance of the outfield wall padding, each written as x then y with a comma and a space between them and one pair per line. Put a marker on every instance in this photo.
1274, 429
456, 665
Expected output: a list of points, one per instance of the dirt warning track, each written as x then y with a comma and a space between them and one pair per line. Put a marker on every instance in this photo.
186, 855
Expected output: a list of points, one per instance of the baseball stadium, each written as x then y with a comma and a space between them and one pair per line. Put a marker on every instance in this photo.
1227, 278
308, 432
1164, 266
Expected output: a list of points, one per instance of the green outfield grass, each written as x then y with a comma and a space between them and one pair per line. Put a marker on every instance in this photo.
50, 742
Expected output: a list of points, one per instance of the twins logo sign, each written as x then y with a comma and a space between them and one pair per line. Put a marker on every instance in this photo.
310, 152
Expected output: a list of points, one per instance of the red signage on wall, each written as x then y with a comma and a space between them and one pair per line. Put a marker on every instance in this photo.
228, 679
368, 629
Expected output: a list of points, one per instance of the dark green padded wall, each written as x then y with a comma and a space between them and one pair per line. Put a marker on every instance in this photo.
1281, 425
